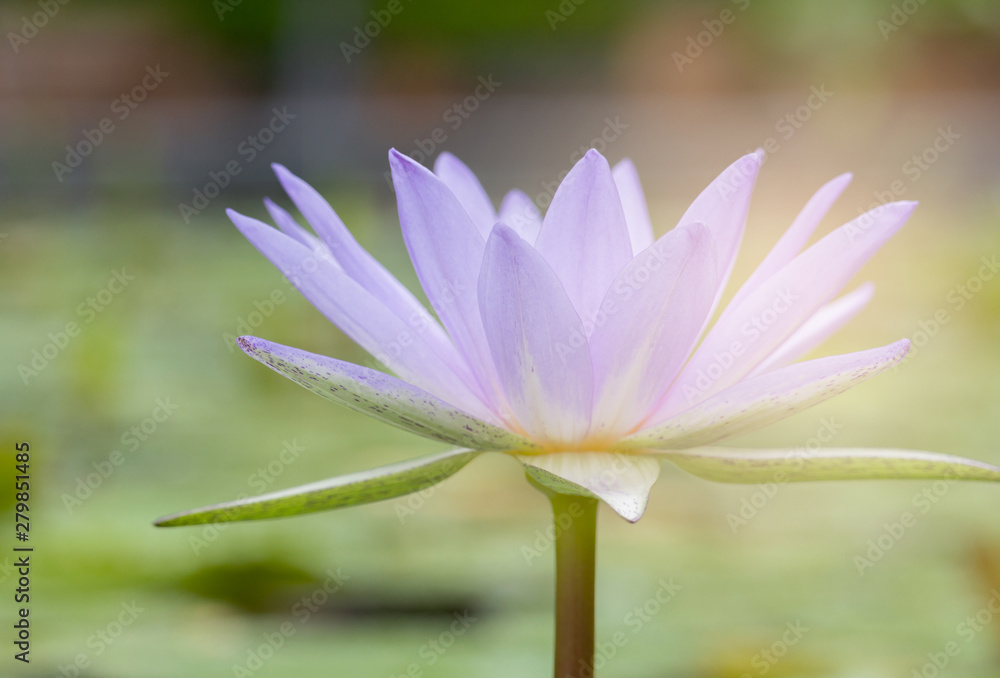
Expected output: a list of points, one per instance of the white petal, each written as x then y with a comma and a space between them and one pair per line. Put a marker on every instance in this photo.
640, 228
767, 398
621, 481
746, 335
824, 323
797, 235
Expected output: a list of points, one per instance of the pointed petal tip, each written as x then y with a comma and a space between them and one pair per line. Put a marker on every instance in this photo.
400, 162
866, 290
246, 343
443, 158
593, 156
397, 156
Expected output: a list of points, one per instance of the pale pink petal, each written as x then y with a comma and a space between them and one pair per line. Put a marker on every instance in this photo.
640, 228
364, 318
584, 237
537, 340
723, 207
465, 185
746, 335
447, 253
758, 401
797, 235
820, 327
648, 324
520, 213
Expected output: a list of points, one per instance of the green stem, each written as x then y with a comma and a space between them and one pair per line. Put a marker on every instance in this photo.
576, 542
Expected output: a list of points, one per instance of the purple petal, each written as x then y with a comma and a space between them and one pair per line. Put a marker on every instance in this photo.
584, 237
363, 317
519, 212
447, 253
797, 235
820, 327
286, 222
356, 261
383, 397
723, 207
466, 187
536, 338
640, 228
767, 398
746, 335
649, 323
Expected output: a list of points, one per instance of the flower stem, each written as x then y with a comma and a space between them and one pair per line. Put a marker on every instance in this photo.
576, 542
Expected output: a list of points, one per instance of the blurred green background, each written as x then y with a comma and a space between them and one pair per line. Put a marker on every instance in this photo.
151, 393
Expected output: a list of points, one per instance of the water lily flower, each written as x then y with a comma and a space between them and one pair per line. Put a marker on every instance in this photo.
579, 345
576, 342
